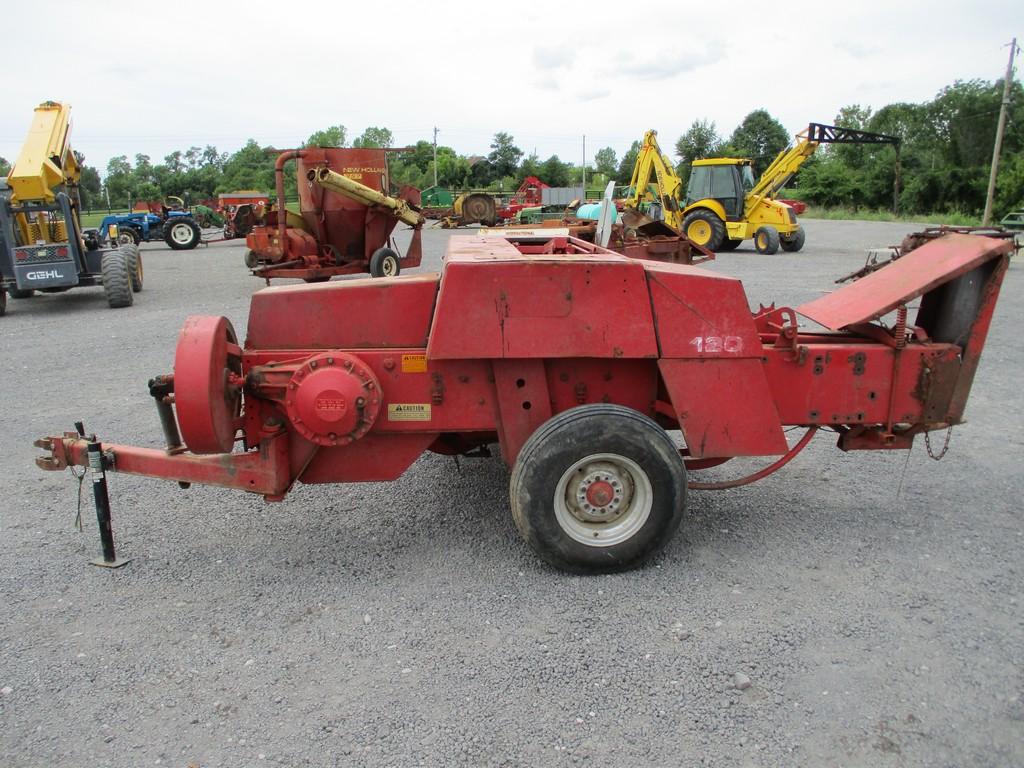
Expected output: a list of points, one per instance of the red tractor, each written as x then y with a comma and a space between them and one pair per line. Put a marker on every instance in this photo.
605, 381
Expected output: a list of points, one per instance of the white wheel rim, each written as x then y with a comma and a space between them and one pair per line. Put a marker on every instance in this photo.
389, 267
603, 499
181, 233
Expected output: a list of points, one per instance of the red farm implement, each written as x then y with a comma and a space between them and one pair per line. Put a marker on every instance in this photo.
345, 223
578, 364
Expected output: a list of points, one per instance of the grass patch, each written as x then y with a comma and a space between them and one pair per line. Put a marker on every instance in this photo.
956, 218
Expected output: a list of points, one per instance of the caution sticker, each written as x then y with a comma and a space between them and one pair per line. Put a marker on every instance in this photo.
409, 412
414, 363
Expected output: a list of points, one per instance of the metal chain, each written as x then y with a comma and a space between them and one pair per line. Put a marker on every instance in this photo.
80, 476
945, 445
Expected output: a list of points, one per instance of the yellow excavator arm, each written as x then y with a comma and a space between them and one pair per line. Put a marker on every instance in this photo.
784, 167
46, 160
651, 162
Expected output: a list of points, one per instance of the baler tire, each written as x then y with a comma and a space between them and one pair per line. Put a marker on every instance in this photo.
728, 244
384, 263
184, 244
629, 449
117, 282
766, 240
19, 293
794, 242
134, 266
715, 228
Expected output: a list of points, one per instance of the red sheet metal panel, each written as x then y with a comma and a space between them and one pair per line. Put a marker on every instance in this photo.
354, 314
724, 407
496, 303
904, 280
700, 314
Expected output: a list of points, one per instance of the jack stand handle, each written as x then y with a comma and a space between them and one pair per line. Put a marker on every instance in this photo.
98, 472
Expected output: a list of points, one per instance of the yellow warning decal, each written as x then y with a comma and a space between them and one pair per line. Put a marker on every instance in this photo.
409, 412
414, 363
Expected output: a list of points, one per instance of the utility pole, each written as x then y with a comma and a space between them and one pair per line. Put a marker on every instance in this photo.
987, 218
435, 155
584, 167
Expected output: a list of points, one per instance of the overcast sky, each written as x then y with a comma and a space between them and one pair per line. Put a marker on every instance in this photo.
154, 77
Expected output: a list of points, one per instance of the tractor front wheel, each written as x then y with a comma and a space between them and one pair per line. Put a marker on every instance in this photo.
384, 263
766, 240
793, 242
597, 489
182, 235
128, 236
704, 228
117, 279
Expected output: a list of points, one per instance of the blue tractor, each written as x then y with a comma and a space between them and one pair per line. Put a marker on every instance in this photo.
174, 225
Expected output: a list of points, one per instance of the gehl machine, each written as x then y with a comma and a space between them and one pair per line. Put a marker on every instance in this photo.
42, 245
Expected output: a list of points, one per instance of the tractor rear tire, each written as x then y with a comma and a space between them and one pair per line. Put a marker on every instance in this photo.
766, 240
597, 489
728, 244
134, 265
793, 242
704, 228
18, 293
117, 279
384, 263
182, 234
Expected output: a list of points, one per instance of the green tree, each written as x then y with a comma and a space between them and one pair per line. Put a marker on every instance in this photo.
530, 167
504, 155
700, 140
88, 184
760, 137
333, 136
554, 172
374, 137
628, 162
5, 167
605, 161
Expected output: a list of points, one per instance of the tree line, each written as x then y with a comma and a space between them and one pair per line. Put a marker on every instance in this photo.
944, 155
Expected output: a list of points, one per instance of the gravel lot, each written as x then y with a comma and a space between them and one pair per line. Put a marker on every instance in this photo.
871, 601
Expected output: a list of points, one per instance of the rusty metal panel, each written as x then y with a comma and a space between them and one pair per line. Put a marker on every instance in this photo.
902, 281
355, 314
724, 407
700, 314
497, 303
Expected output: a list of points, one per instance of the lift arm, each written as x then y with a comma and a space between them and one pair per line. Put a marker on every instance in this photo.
784, 167
46, 160
650, 161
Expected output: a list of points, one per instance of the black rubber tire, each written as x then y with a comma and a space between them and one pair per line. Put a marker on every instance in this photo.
384, 263
18, 293
184, 245
128, 236
134, 266
117, 281
766, 240
794, 242
728, 244
321, 279
251, 260
576, 434
3, 302
717, 226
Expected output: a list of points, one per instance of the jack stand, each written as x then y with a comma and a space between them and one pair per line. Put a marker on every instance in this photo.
99, 491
